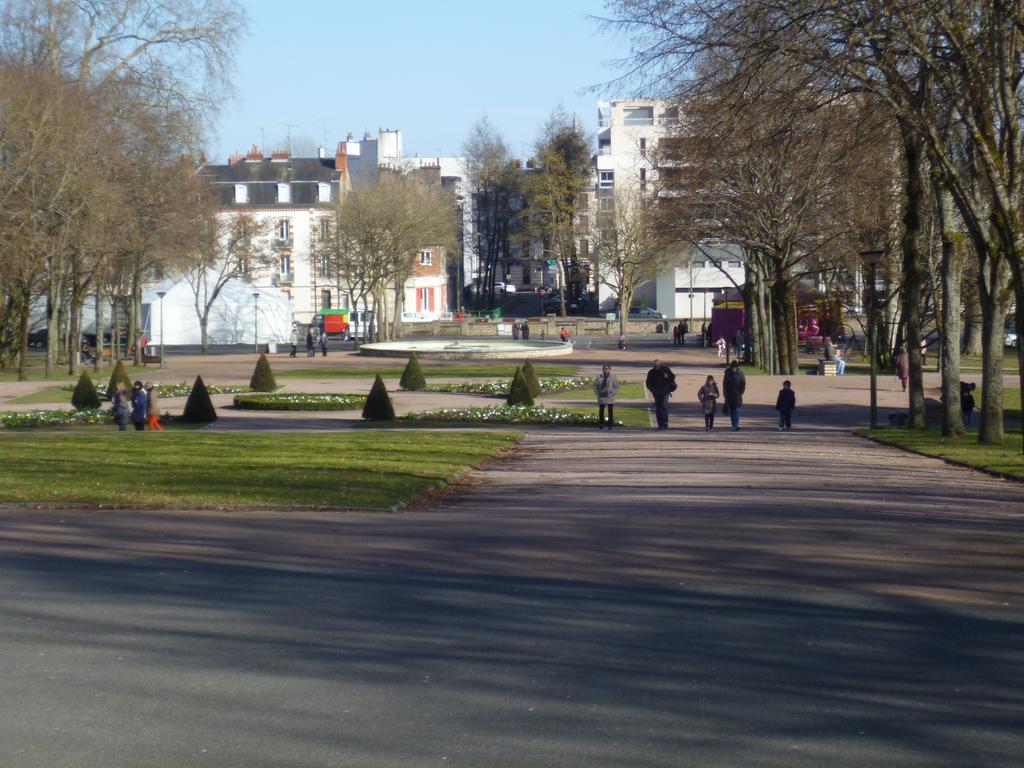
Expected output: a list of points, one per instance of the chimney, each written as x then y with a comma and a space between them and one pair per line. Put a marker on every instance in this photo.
236, 158
254, 154
279, 155
341, 159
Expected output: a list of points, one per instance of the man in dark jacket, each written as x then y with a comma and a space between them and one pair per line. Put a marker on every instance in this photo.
662, 383
735, 384
139, 406
785, 403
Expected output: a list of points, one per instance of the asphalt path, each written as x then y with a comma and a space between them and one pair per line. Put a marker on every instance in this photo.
627, 599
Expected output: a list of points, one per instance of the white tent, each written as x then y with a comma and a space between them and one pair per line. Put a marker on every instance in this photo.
236, 317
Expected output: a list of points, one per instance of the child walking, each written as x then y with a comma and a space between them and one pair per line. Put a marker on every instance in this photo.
784, 404
708, 396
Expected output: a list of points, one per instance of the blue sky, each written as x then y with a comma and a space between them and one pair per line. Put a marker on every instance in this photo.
429, 69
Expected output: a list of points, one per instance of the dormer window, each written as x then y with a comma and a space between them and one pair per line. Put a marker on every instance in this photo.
284, 193
425, 258
323, 192
241, 193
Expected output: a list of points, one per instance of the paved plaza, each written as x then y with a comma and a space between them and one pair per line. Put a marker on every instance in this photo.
627, 599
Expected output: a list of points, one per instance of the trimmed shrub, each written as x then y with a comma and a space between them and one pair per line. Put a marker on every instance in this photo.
199, 408
412, 377
519, 392
85, 394
262, 377
378, 403
120, 373
531, 379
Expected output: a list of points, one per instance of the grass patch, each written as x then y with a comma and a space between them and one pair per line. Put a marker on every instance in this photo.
438, 370
628, 390
191, 470
45, 395
36, 372
1005, 460
299, 401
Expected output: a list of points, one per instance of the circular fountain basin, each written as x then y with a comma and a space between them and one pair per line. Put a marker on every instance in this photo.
467, 349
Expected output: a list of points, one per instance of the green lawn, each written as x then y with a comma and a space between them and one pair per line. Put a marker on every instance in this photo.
475, 371
628, 390
35, 372
1004, 460
46, 395
191, 470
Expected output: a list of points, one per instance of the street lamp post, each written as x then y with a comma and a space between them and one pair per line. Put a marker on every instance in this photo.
871, 259
161, 294
256, 321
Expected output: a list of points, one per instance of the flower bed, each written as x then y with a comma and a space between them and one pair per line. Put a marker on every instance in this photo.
500, 386
298, 401
508, 414
21, 419
178, 390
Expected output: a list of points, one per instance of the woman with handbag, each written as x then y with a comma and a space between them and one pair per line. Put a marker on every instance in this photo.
708, 395
606, 387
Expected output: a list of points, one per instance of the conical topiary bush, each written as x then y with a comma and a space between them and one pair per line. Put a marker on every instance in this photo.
519, 392
199, 408
378, 405
120, 373
85, 395
262, 377
531, 378
412, 377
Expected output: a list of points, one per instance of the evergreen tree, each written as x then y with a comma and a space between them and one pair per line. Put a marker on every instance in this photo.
262, 377
531, 378
412, 376
85, 395
519, 392
199, 408
378, 405
120, 373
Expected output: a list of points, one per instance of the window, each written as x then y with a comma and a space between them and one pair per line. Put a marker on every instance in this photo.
325, 264
426, 258
638, 116
286, 264
325, 299
284, 230
284, 193
241, 193
323, 192
643, 147
424, 299
606, 179
643, 179
325, 230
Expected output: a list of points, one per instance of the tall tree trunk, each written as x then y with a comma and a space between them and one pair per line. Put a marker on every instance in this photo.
992, 285
99, 328
950, 272
913, 278
135, 319
26, 311
75, 334
54, 296
971, 345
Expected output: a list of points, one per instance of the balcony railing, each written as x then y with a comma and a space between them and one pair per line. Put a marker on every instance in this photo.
284, 278
283, 243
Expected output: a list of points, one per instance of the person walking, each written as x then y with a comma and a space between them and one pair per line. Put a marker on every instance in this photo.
138, 407
122, 412
677, 331
526, 330
310, 343
785, 403
708, 396
294, 342
323, 344
684, 328
735, 384
721, 346
705, 335
662, 383
153, 408
606, 387
515, 331
902, 367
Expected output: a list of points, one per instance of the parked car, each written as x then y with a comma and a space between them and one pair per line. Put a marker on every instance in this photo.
419, 317
645, 313
38, 338
505, 287
1011, 339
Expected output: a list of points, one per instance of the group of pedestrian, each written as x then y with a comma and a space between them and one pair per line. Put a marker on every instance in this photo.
679, 333
140, 407
312, 342
661, 383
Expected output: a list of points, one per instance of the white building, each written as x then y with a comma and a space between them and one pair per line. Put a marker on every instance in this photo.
292, 200
628, 136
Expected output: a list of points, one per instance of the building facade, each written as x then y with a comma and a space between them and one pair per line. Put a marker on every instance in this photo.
291, 200
628, 136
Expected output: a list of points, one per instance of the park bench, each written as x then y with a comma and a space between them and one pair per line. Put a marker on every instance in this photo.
827, 367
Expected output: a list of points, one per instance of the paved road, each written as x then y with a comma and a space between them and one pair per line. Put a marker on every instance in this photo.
633, 599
